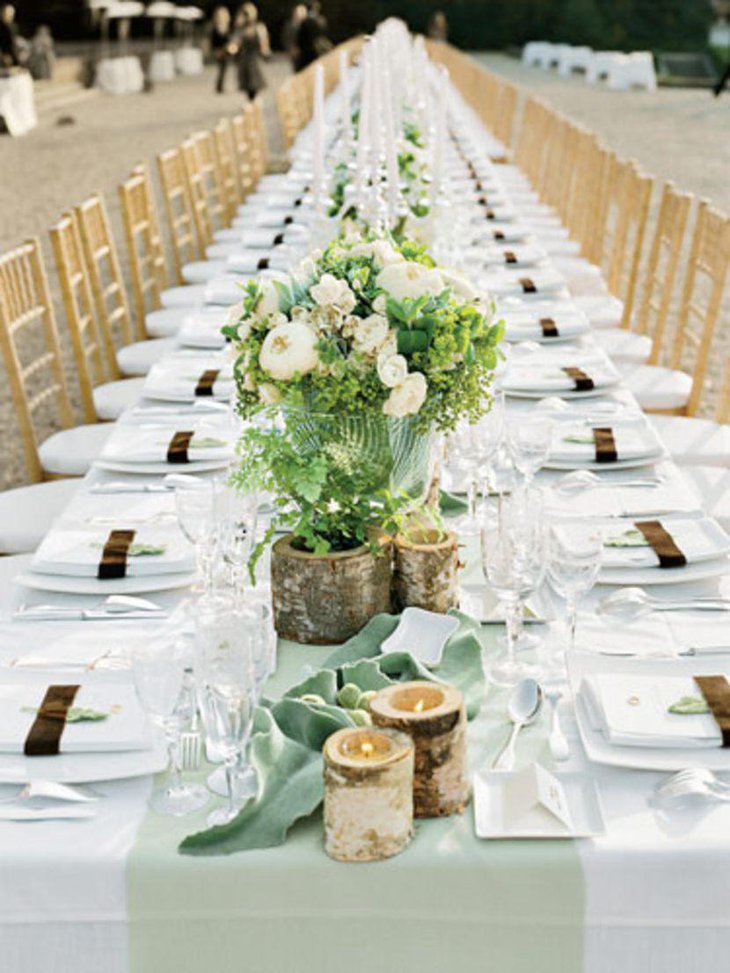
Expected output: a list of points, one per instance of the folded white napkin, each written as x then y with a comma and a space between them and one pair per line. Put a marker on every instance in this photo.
533, 375
574, 443
633, 711
176, 379
76, 552
249, 261
225, 290
698, 540
523, 324
125, 727
499, 255
503, 282
203, 330
150, 443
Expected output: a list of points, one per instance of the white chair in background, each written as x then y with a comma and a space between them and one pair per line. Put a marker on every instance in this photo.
574, 58
535, 53
632, 71
599, 65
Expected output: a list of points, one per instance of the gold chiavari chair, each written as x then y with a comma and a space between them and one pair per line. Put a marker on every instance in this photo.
259, 127
629, 200
197, 194
227, 168
504, 119
144, 245
242, 155
186, 246
38, 387
100, 399
124, 355
212, 179
287, 112
255, 148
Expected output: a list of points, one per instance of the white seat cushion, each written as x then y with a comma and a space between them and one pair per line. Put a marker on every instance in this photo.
694, 442
712, 485
623, 345
603, 311
165, 322
658, 389
27, 513
112, 398
72, 451
137, 359
201, 271
190, 295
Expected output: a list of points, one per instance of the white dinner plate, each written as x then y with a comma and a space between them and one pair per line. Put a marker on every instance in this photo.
668, 759
114, 586
83, 768
196, 466
699, 571
621, 464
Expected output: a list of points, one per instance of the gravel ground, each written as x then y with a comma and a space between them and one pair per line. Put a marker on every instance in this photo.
676, 134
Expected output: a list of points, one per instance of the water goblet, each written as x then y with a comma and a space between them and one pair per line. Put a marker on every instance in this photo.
236, 521
529, 442
158, 670
574, 560
195, 505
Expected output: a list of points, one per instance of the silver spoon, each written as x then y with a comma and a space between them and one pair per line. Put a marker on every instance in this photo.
559, 748
523, 707
579, 480
630, 603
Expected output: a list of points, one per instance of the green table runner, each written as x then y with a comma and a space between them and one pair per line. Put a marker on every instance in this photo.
449, 902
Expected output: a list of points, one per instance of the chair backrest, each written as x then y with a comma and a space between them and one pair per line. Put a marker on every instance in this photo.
212, 175
178, 209
286, 110
723, 403
79, 305
197, 193
242, 154
659, 274
144, 244
259, 126
624, 231
256, 149
699, 309
25, 301
107, 284
227, 168
505, 113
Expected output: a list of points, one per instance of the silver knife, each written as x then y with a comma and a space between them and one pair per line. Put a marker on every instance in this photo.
83, 615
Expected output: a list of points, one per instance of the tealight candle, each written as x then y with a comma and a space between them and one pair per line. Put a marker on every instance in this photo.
434, 716
368, 794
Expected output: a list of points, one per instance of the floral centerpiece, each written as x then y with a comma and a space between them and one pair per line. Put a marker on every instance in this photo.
345, 368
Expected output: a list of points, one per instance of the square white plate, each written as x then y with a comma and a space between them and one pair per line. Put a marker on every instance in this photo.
581, 793
423, 634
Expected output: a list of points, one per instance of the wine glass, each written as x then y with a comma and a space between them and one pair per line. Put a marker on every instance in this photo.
227, 693
159, 670
574, 560
513, 557
195, 505
529, 442
488, 436
462, 464
236, 520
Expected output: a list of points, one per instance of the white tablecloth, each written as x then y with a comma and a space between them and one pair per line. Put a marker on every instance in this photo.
17, 107
189, 60
120, 75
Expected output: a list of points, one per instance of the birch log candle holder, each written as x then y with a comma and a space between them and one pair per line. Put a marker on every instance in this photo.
368, 794
435, 718
426, 571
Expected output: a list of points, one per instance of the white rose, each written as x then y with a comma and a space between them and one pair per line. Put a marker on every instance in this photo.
392, 370
389, 347
370, 334
380, 304
460, 285
406, 399
268, 302
235, 313
287, 349
328, 290
269, 394
244, 330
384, 254
409, 279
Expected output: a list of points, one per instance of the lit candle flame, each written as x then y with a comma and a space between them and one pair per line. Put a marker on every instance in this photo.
366, 749
418, 707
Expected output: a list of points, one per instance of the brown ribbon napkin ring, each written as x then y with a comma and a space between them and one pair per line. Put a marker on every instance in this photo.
491, 215
582, 382
288, 220
510, 257
605, 445
263, 264
498, 235
114, 555
206, 382
528, 287
549, 328
44, 736
662, 543
716, 691
177, 451
279, 239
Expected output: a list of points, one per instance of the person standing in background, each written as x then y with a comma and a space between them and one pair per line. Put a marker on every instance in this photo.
312, 39
438, 27
42, 55
9, 54
220, 40
252, 45
289, 34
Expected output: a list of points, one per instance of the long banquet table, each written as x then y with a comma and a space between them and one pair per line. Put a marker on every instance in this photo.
112, 894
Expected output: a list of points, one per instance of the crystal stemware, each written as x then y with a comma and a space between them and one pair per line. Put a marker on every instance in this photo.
574, 560
529, 442
195, 505
159, 670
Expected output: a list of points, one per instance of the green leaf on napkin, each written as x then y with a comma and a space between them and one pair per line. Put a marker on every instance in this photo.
76, 714
450, 505
581, 440
629, 538
145, 550
290, 788
206, 442
689, 706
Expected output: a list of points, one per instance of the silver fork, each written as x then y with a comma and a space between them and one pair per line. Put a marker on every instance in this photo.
692, 782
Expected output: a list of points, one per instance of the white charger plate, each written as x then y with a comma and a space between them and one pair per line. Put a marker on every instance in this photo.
599, 750
83, 768
115, 586
621, 464
146, 469
699, 571
581, 793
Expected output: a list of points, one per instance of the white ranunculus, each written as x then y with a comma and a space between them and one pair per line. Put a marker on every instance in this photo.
287, 349
385, 254
392, 370
330, 291
268, 302
460, 285
408, 397
370, 334
409, 279
389, 347
235, 313
380, 304
269, 394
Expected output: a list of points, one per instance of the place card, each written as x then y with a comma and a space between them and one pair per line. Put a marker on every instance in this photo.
534, 798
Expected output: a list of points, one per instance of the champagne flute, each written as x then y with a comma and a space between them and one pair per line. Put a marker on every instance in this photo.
158, 670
